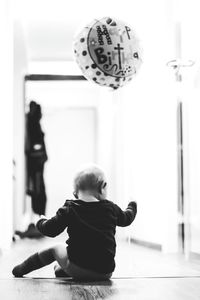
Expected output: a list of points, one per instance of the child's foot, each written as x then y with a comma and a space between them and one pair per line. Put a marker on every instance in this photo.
17, 271
32, 263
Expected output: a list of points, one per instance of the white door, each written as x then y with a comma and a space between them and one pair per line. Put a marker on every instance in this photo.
70, 140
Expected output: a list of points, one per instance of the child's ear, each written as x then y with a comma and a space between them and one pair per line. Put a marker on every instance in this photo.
102, 186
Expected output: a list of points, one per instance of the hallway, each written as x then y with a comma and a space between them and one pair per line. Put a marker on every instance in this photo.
140, 273
145, 136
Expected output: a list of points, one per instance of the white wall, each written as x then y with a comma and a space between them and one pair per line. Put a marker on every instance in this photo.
6, 121
20, 66
151, 160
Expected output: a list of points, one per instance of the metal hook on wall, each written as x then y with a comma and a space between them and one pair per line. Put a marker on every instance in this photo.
177, 64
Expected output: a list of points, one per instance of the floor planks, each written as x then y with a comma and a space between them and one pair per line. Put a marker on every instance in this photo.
116, 289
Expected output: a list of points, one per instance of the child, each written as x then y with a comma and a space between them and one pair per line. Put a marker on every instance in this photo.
91, 222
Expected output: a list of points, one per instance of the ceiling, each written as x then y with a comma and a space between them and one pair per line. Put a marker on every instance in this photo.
49, 41
49, 27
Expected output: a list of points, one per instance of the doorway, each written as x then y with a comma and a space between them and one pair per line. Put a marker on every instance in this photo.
69, 122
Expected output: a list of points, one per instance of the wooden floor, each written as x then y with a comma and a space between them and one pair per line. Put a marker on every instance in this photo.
140, 274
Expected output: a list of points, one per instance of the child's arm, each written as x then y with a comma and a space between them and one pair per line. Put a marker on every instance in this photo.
125, 218
54, 226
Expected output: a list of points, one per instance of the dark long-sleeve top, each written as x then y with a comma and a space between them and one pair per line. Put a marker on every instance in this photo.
91, 228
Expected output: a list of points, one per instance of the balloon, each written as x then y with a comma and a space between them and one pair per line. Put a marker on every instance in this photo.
108, 52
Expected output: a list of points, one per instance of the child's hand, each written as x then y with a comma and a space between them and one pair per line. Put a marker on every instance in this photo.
133, 204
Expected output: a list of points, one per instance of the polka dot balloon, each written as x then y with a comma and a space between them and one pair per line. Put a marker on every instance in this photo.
108, 52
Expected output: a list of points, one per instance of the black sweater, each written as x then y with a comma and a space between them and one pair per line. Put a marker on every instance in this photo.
91, 228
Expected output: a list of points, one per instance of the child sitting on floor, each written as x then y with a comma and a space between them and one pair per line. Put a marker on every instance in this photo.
91, 222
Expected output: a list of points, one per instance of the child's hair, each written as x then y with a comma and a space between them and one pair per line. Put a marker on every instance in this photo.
91, 179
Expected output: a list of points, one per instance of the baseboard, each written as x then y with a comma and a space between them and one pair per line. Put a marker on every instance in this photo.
146, 244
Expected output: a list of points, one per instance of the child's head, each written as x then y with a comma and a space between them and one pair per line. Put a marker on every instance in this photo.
91, 180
